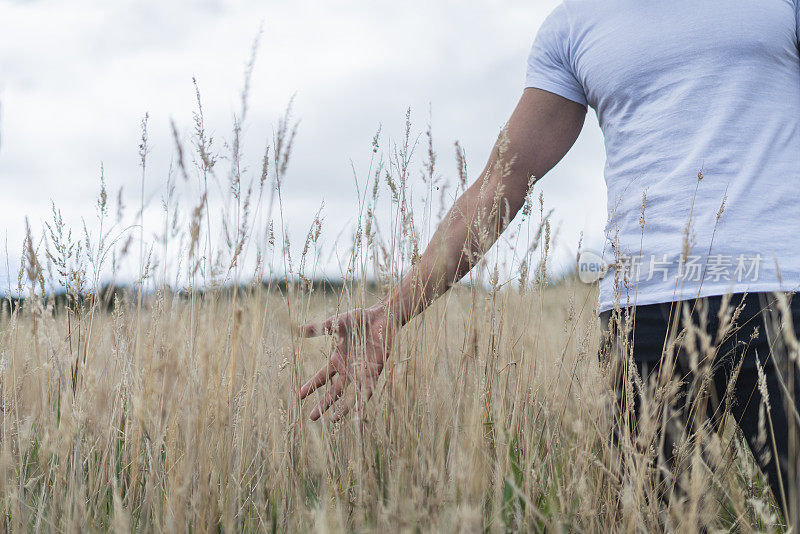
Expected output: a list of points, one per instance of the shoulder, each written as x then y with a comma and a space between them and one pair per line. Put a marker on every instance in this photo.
570, 14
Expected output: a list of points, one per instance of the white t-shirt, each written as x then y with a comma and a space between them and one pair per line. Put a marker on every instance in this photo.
683, 87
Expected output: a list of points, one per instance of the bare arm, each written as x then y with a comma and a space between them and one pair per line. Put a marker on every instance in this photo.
541, 130
539, 133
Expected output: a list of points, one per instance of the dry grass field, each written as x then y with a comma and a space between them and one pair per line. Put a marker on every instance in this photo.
175, 407
193, 419
185, 415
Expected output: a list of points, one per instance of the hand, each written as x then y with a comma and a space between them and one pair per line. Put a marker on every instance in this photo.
363, 340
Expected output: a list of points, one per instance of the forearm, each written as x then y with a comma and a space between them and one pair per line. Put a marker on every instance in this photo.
466, 233
539, 133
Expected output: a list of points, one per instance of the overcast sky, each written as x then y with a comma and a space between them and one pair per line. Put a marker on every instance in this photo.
77, 77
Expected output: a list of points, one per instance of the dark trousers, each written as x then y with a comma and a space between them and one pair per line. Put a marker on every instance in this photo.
756, 334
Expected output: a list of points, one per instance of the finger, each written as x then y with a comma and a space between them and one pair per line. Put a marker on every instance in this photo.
356, 398
346, 405
329, 326
316, 329
334, 393
319, 379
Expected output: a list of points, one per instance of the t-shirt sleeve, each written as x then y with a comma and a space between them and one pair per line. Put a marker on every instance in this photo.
549, 67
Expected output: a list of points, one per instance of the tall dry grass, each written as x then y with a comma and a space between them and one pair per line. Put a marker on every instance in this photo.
174, 405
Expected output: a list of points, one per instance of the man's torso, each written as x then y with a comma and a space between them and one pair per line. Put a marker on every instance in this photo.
684, 89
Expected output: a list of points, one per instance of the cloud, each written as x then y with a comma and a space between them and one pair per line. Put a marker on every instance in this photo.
77, 78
